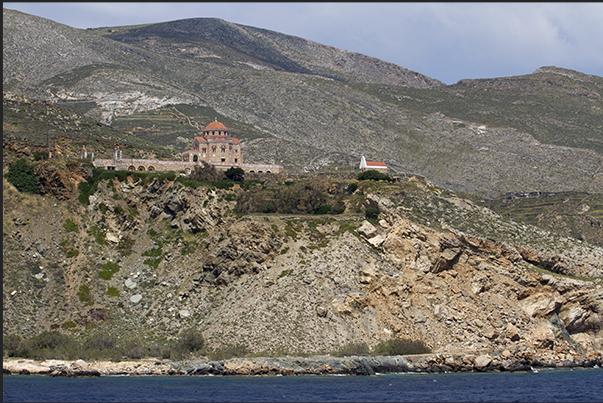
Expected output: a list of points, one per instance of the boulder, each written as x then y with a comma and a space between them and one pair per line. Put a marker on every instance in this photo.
367, 230
542, 337
482, 362
574, 318
512, 333
541, 304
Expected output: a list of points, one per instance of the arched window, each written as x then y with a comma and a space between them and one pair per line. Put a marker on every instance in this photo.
141, 168
195, 158
131, 168
151, 168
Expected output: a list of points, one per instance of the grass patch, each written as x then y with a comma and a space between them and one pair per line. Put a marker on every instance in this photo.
401, 347
70, 225
84, 293
108, 270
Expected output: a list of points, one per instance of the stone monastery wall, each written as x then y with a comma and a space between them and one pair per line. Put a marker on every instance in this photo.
129, 164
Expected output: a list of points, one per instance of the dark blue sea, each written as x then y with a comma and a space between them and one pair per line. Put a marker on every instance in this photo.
577, 385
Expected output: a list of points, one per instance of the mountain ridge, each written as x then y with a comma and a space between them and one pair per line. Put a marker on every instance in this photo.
348, 105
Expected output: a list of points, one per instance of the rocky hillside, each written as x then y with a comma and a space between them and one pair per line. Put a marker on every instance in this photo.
149, 256
312, 107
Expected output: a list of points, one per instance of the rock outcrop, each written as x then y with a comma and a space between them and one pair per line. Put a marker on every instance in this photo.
159, 257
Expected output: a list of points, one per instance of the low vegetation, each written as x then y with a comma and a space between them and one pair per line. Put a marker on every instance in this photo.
102, 346
21, 175
400, 347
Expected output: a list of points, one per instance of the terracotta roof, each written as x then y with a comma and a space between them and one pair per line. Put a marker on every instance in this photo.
215, 126
375, 164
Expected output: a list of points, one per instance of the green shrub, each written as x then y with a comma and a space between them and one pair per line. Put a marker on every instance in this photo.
86, 189
352, 187
324, 209
338, 206
101, 346
285, 273
51, 344
101, 341
371, 213
154, 252
108, 270
112, 292
21, 175
134, 350
40, 155
84, 293
11, 345
374, 175
269, 208
70, 225
98, 235
191, 340
229, 351
68, 325
352, 349
205, 173
154, 263
72, 253
401, 347
235, 174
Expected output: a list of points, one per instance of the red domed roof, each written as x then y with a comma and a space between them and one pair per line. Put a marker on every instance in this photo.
215, 126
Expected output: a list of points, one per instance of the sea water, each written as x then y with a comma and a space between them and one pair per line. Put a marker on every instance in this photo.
577, 385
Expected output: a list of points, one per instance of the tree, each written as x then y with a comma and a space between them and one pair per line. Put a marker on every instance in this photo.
21, 175
235, 174
373, 174
206, 172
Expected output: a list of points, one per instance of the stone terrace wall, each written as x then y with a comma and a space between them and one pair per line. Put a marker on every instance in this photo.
130, 164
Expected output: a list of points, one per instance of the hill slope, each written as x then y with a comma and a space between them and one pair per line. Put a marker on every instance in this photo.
313, 107
150, 256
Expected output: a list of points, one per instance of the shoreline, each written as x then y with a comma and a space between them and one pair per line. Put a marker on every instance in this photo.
293, 366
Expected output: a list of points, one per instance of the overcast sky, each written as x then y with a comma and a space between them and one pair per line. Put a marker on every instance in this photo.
446, 41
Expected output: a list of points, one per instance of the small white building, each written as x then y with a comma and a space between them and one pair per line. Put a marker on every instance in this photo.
376, 165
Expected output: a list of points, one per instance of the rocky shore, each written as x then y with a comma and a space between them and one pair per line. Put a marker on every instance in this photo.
316, 365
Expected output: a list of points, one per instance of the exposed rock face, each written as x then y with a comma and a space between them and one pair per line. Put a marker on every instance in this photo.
59, 182
248, 246
288, 284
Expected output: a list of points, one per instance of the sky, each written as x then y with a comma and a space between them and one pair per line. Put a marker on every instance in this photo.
445, 41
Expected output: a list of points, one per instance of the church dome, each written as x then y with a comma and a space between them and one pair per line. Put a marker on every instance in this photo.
215, 126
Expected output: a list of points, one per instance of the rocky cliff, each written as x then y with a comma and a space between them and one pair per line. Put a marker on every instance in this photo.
148, 257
